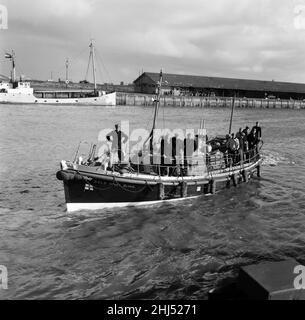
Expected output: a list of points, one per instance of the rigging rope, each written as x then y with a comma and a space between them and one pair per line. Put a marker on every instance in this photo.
99, 57
102, 80
88, 66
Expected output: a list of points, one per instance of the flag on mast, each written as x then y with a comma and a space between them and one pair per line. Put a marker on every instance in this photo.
8, 56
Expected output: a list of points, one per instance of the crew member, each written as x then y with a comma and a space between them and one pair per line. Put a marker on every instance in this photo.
258, 130
115, 137
232, 147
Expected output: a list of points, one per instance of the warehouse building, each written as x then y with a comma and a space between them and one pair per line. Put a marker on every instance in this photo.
184, 85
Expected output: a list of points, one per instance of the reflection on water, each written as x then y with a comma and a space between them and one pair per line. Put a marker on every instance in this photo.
167, 251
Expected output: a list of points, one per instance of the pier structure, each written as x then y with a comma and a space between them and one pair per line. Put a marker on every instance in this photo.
203, 86
205, 92
146, 100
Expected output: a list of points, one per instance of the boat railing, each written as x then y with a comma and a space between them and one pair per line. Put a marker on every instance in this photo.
227, 160
190, 166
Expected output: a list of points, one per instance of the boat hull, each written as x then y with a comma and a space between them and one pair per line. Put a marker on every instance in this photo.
91, 190
108, 99
76, 206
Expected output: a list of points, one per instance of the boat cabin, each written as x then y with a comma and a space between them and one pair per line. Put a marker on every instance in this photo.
67, 94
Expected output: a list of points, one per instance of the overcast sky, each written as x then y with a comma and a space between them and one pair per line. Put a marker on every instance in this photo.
255, 39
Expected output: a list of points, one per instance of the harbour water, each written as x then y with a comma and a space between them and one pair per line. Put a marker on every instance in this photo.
170, 251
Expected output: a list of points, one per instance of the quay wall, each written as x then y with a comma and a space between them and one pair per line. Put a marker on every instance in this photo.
207, 102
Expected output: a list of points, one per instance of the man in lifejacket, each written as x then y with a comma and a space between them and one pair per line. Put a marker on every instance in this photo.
246, 132
239, 134
115, 137
232, 147
253, 143
258, 131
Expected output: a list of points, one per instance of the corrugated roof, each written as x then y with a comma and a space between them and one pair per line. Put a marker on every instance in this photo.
176, 80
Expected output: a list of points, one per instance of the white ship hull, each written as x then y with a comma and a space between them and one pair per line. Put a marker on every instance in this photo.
104, 100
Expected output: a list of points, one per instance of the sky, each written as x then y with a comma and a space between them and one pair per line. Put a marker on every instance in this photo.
251, 39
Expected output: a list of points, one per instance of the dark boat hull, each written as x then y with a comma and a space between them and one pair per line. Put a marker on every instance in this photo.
88, 189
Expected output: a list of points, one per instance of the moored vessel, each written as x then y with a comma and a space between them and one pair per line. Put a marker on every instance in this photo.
21, 92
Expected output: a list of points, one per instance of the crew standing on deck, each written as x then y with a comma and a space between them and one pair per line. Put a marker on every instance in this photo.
253, 141
116, 137
258, 131
232, 147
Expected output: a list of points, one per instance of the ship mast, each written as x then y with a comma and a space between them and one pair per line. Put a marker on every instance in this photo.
11, 56
158, 100
156, 107
232, 113
92, 55
14, 67
67, 71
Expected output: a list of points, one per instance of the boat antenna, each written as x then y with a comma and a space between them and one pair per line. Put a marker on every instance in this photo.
232, 113
11, 56
157, 101
92, 54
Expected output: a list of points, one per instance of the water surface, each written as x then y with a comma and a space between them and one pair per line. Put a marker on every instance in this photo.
173, 251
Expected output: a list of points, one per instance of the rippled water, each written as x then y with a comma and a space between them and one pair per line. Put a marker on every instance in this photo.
170, 251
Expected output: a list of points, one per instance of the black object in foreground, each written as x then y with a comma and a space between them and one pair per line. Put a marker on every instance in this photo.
264, 281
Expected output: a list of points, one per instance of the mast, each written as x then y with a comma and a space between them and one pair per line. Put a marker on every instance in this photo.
158, 100
14, 67
92, 54
67, 71
11, 56
232, 113
150, 137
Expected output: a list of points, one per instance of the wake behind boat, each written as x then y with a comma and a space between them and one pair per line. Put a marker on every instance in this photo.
140, 179
21, 92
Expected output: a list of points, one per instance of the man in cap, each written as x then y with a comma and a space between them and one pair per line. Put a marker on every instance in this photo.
115, 137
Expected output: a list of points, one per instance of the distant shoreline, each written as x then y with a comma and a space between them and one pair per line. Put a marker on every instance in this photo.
55, 85
127, 96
